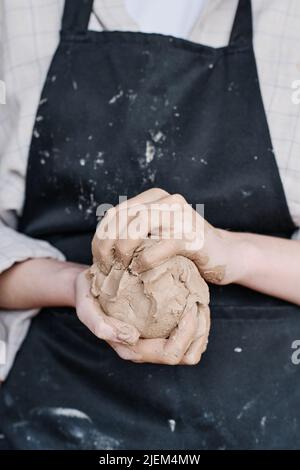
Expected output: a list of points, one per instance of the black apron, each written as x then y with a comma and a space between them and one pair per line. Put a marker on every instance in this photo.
121, 112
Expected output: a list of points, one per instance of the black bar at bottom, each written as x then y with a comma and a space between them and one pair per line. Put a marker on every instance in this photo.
144, 459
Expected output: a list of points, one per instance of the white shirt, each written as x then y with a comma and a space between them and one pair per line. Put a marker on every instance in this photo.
29, 34
171, 17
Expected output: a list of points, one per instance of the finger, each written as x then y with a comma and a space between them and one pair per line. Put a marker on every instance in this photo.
112, 238
125, 352
155, 255
150, 195
169, 221
182, 336
179, 220
102, 243
138, 226
198, 346
134, 233
156, 218
91, 315
162, 351
104, 327
195, 351
113, 224
146, 350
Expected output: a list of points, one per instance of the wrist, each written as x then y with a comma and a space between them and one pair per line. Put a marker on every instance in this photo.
66, 283
242, 256
37, 283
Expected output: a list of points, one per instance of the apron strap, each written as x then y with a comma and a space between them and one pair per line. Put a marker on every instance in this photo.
241, 33
77, 15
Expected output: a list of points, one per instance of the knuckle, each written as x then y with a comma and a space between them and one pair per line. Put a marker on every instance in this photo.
145, 259
159, 192
142, 213
139, 213
172, 359
178, 198
110, 212
192, 359
141, 223
137, 360
126, 355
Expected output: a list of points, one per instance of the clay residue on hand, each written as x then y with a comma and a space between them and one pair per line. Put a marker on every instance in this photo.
214, 275
152, 301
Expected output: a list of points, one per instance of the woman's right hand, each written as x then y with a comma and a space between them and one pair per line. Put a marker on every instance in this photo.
91, 315
42, 282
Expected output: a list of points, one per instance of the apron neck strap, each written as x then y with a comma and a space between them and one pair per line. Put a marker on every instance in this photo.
242, 33
77, 15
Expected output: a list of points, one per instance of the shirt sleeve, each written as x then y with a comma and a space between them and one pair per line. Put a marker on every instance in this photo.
23, 75
16, 247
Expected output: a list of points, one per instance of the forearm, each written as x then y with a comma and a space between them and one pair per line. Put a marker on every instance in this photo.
38, 283
269, 265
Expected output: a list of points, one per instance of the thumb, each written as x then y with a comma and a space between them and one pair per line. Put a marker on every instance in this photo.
91, 315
